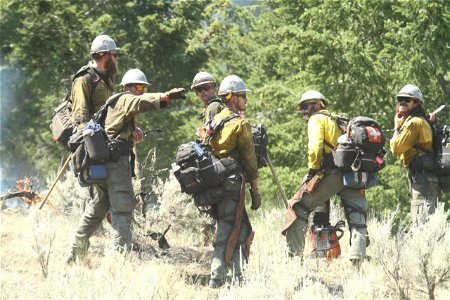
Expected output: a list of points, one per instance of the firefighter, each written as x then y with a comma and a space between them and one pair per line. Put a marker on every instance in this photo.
413, 144
204, 86
93, 85
116, 193
234, 140
323, 133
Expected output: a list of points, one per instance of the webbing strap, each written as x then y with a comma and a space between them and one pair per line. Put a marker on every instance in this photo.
219, 125
93, 79
339, 121
240, 211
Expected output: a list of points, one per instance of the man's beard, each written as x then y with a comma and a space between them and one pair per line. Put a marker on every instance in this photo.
111, 66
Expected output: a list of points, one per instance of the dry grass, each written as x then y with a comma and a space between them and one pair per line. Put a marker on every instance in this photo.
412, 264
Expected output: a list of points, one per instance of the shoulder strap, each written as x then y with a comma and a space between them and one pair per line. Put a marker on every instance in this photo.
100, 116
215, 100
340, 121
93, 79
219, 125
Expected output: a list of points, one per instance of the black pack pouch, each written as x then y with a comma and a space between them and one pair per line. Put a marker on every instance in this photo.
79, 159
114, 150
209, 197
327, 161
444, 182
212, 171
424, 162
75, 141
261, 140
97, 146
441, 146
185, 154
344, 155
189, 179
365, 161
231, 164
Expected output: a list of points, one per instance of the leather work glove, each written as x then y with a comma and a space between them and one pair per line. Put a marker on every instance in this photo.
310, 175
176, 93
256, 199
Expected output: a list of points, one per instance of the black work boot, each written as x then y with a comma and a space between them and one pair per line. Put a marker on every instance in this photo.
216, 283
356, 263
70, 259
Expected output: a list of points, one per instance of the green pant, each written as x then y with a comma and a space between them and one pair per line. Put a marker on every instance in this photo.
225, 216
115, 195
355, 206
425, 191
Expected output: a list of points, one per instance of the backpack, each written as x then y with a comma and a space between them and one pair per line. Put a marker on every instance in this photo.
198, 170
261, 140
441, 147
360, 149
61, 124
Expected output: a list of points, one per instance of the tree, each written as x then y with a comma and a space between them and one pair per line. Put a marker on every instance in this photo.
47, 40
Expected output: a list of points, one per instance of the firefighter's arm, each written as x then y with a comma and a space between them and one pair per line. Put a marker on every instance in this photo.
315, 143
80, 101
404, 140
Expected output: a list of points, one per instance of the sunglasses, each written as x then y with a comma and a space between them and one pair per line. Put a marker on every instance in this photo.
244, 96
204, 88
306, 105
140, 87
404, 99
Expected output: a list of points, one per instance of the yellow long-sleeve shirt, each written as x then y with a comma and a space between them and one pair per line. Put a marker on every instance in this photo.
415, 132
236, 140
321, 128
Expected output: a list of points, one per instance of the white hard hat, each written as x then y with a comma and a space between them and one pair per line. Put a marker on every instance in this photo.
134, 76
103, 43
202, 78
411, 91
232, 84
312, 95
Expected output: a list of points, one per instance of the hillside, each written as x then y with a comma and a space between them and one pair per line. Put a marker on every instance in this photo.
413, 263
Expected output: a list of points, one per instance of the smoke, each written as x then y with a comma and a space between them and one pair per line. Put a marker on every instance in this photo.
8, 75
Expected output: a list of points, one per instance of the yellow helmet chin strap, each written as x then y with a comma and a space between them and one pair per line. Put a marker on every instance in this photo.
229, 95
322, 103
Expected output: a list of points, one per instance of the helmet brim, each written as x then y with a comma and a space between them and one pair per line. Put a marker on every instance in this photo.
201, 83
406, 95
134, 82
325, 101
98, 51
223, 93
